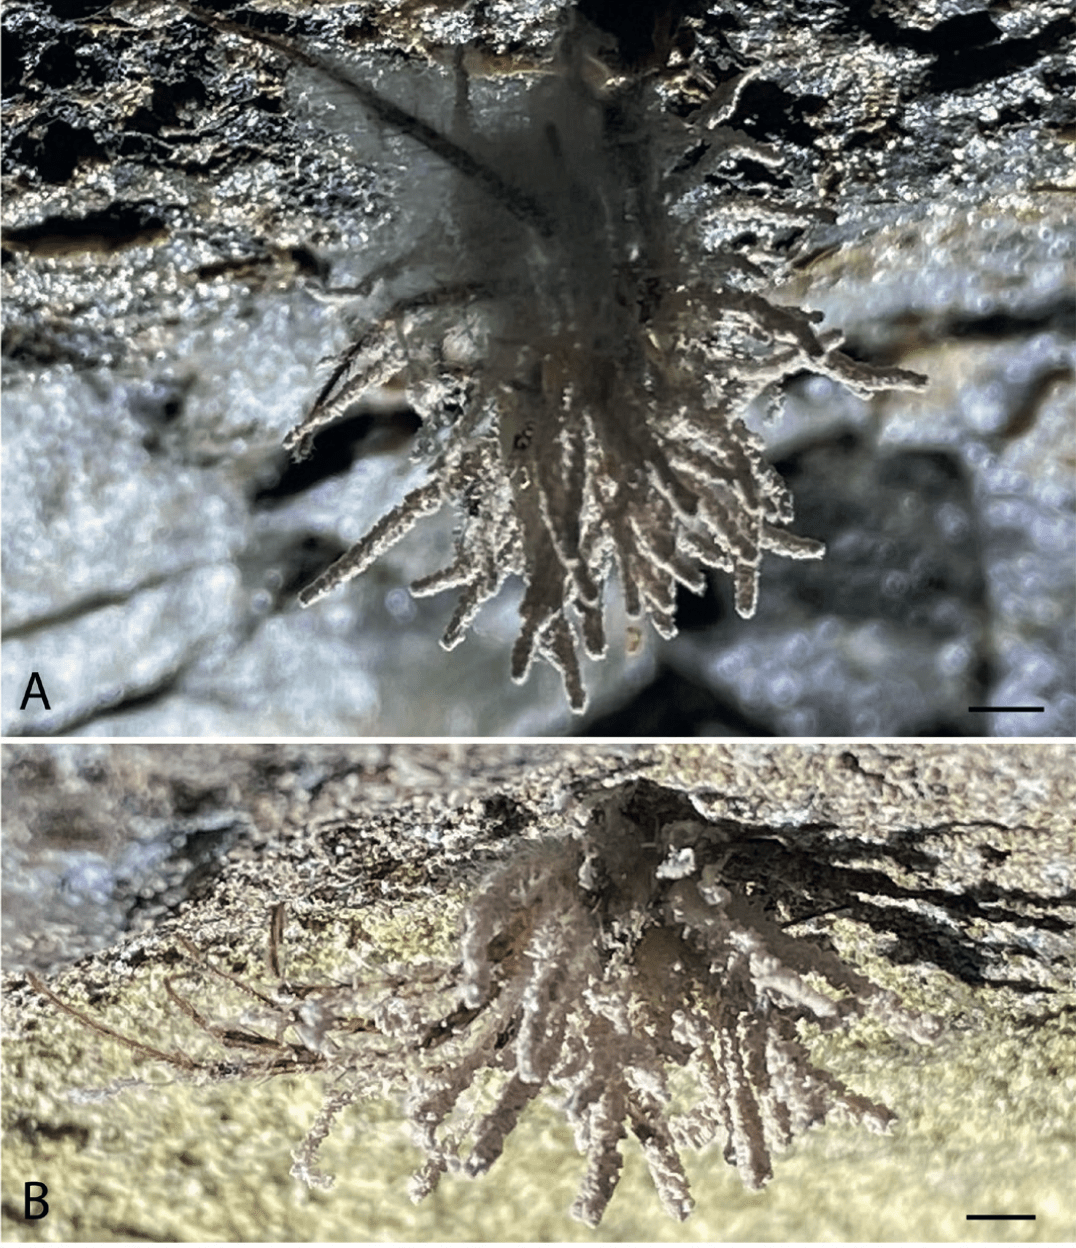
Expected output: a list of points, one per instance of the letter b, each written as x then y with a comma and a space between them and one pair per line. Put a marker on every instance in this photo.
36, 1200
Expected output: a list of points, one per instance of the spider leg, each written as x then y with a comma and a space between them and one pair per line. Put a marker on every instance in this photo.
385, 358
375, 357
273, 961
174, 1058
234, 1037
525, 208
213, 969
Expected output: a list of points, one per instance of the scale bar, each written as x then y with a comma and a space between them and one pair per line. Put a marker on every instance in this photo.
1007, 708
999, 1217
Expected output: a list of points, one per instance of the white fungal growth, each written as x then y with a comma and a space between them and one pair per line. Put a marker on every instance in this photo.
590, 420
590, 969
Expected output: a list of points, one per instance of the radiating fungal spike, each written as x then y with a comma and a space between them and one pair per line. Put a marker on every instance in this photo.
386, 532
708, 985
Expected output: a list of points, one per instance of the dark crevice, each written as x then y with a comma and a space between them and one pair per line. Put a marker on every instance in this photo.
1053, 315
189, 872
672, 706
963, 65
118, 226
93, 602
964, 30
57, 151
242, 268
148, 696
644, 30
968, 48
768, 112
304, 560
335, 450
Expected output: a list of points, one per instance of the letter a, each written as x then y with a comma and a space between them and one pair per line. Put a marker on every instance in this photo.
35, 679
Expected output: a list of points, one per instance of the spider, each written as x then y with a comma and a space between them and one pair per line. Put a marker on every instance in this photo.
582, 362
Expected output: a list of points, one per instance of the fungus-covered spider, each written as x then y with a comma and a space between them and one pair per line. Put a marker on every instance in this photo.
581, 361
621, 965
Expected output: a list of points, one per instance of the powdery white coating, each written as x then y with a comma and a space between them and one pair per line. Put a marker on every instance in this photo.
581, 363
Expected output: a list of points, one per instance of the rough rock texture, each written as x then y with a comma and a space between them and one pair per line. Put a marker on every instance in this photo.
103, 839
174, 200
943, 873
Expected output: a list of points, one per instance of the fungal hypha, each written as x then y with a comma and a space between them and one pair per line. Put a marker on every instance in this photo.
620, 964
580, 360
